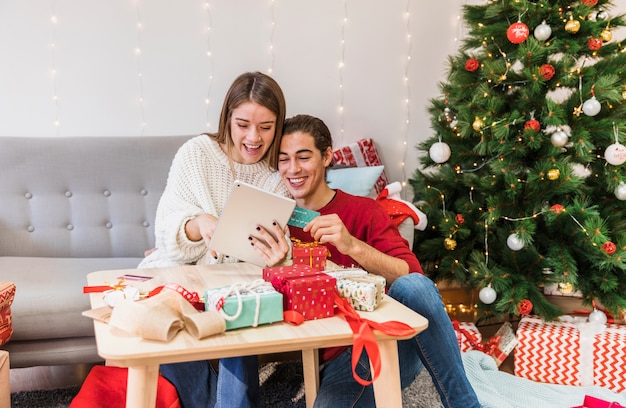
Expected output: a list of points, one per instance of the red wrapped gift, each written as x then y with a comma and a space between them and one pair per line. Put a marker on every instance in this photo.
305, 290
593, 402
313, 254
467, 335
292, 271
7, 294
571, 351
361, 153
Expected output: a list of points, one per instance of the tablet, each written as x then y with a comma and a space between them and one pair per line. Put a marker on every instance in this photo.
248, 206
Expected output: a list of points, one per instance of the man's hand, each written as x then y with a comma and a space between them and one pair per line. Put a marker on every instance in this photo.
330, 229
271, 245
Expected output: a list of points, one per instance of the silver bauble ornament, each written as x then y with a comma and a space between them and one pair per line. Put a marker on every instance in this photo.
543, 31
602, 15
620, 191
487, 295
597, 316
559, 138
615, 154
439, 152
514, 242
591, 107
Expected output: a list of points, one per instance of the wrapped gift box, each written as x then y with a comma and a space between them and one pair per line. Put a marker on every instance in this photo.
571, 352
291, 271
313, 255
7, 294
364, 292
260, 304
305, 290
467, 335
361, 153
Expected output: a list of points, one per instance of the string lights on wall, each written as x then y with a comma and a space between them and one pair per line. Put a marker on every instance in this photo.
53, 67
209, 54
341, 67
139, 70
273, 26
407, 85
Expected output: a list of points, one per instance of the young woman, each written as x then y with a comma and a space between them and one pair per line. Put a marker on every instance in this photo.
245, 147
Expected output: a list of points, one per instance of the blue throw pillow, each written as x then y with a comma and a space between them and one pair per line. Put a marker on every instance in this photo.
357, 181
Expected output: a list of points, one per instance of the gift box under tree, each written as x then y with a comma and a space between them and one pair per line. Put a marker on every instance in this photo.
305, 290
571, 352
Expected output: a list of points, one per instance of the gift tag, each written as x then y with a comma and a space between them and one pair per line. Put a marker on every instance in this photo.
301, 217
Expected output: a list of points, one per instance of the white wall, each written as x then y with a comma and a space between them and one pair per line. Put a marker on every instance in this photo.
148, 67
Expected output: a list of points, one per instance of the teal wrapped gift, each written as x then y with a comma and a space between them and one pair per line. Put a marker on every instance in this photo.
246, 304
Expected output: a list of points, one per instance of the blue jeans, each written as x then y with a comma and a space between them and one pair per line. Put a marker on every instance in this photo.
199, 386
436, 348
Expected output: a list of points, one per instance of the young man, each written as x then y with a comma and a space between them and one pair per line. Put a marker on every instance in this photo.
357, 231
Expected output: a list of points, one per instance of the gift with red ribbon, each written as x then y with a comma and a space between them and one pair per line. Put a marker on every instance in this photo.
313, 254
7, 294
467, 335
305, 290
573, 351
593, 402
498, 347
364, 337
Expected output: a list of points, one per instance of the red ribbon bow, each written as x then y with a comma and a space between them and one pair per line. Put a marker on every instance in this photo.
364, 336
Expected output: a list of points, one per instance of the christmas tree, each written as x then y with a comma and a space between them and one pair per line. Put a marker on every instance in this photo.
523, 180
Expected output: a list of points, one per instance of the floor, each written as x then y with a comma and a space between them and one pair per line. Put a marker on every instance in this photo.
49, 377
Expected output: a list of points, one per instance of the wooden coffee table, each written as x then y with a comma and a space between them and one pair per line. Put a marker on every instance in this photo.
143, 357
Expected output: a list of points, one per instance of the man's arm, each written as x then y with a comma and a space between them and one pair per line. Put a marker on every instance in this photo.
330, 229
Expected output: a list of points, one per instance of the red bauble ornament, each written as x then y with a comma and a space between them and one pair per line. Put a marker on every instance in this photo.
471, 65
557, 208
460, 219
589, 3
594, 44
524, 307
517, 32
609, 248
532, 124
546, 71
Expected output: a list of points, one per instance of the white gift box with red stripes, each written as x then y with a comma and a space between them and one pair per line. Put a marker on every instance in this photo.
571, 351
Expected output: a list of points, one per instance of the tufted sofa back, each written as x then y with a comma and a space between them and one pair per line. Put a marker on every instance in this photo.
81, 197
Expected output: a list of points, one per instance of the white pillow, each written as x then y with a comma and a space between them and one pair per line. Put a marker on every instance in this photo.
357, 181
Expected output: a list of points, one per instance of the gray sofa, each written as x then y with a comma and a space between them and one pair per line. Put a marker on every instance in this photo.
70, 206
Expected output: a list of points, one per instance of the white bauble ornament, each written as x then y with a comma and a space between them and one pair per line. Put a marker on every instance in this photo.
559, 138
487, 295
514, 242
439, 152
602, 15
591, 107
615, 154
543, 31
580, 170
620, 191
597, 316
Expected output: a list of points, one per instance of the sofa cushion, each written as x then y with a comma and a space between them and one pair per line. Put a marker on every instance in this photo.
49, 295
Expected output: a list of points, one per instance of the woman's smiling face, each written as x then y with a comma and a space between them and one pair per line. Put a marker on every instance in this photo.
252, 129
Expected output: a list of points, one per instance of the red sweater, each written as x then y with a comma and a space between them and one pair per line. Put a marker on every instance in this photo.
366, 220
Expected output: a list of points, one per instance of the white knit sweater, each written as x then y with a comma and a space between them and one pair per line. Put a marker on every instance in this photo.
199, 182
